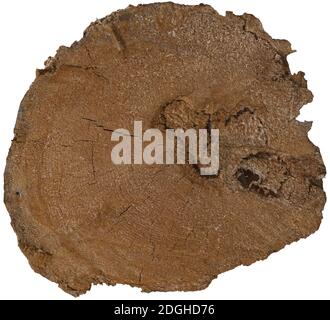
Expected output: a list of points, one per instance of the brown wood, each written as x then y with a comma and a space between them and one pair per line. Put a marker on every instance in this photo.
80, 219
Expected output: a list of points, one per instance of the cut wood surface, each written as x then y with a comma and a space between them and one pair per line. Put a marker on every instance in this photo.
82, 220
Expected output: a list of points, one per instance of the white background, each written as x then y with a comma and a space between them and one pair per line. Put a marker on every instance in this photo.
33, 30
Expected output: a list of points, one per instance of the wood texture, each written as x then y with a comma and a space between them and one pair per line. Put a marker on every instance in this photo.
82, 220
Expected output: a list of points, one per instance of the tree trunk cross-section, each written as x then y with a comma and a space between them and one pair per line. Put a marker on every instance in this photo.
82, 220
